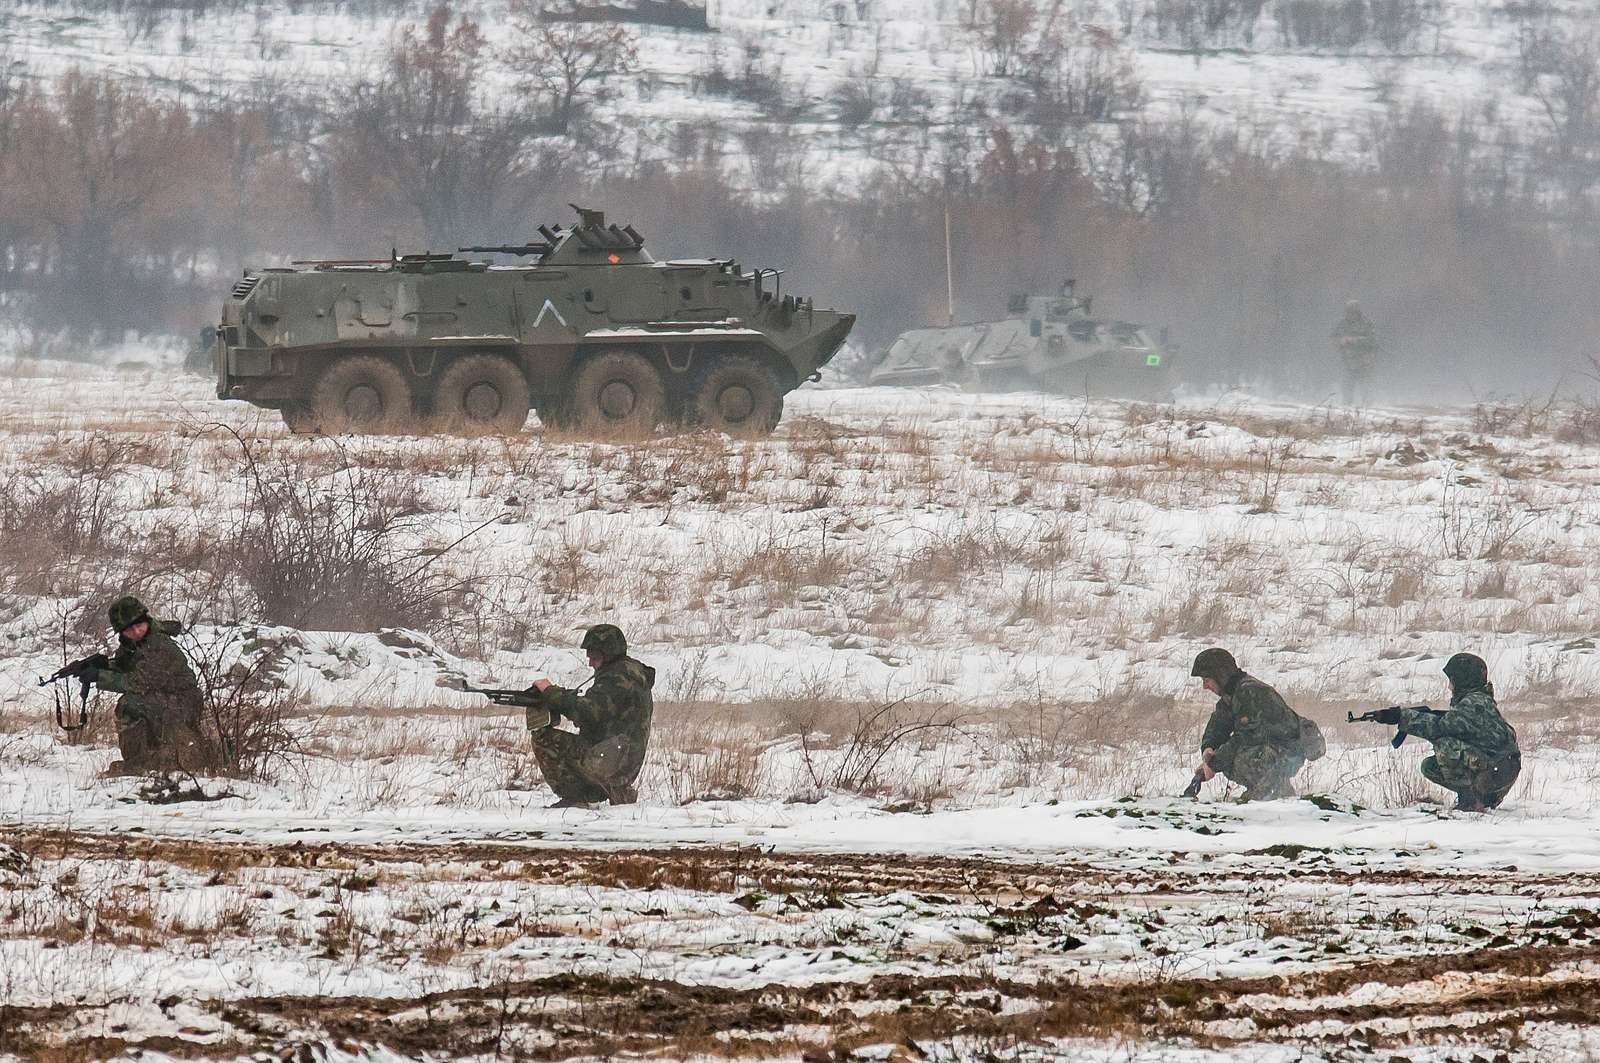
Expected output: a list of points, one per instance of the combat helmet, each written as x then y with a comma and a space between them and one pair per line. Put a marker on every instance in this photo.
1466, 671
1215, 663
606, 640
125, 612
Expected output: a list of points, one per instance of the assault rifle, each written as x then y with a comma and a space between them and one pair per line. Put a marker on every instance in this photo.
1374, 716
530, 700
83, 671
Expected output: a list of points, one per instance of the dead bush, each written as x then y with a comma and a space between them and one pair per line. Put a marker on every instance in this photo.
54, 515
712, 758
1473, 526
787, 563
874, 734
252, 719
342, 552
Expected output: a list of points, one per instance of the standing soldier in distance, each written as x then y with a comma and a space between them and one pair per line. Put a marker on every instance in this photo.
1475, 752
1357, 342
158, 715
1253, 737
602, 761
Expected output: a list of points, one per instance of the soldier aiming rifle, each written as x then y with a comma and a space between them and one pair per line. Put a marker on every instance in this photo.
601, 761
159, 711
1475, 751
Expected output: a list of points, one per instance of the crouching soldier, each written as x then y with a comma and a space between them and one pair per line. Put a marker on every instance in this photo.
1475, 752
602, 761
159, 712
1253, 737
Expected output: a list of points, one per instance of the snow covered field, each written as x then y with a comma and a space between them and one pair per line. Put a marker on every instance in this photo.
923, 706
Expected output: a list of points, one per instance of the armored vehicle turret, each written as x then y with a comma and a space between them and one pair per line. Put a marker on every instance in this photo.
593, 333
1045, 342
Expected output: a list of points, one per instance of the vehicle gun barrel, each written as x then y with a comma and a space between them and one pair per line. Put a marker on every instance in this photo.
508, 249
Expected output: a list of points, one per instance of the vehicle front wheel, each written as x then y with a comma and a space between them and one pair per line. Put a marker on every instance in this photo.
482, 393
362, 393
739, 395
617, 395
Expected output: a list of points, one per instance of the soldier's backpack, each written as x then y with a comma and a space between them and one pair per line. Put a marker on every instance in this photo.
1312, 744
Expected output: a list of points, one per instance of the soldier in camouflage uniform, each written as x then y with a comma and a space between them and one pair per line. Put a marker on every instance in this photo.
1475, 752
601, 761
1357, 342
1253, 737
158, 715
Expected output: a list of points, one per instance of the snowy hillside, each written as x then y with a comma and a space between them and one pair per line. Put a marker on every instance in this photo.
865, 82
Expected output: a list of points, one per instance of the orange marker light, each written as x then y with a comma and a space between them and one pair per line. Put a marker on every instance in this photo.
613, 259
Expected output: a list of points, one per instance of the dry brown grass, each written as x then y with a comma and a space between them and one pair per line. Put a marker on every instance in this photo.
711, 753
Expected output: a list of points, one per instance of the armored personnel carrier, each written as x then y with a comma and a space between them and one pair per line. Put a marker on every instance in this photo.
593, 333
1046, 342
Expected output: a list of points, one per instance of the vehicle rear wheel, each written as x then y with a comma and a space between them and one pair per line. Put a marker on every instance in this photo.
482, 393
362, 393
617, 394
739, 395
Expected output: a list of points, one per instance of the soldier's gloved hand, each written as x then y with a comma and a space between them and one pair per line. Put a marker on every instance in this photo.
1390, 716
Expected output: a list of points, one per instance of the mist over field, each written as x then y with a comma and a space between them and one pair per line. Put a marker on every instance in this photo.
1233, 170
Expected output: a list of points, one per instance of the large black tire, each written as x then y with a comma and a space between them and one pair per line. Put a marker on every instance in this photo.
482, 393
737, 394
362, 393
616, 395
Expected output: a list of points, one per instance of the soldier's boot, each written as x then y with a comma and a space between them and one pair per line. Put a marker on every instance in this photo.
568, 802
622, 794
1470, 803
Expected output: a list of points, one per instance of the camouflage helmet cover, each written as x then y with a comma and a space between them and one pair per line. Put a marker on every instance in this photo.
125, 612
1466, 671
606, 640
1215, 663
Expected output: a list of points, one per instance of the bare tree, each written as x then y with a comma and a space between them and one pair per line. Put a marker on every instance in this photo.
1002, 31
564, 62
88, 169
422, 134
1562, 74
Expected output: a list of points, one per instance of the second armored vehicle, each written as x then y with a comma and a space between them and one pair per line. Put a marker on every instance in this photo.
595, 335
1046, 342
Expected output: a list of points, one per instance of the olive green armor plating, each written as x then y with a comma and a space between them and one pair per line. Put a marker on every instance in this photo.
1046, 342
595, 334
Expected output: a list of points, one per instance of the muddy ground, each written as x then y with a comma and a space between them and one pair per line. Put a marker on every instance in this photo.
544, 952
